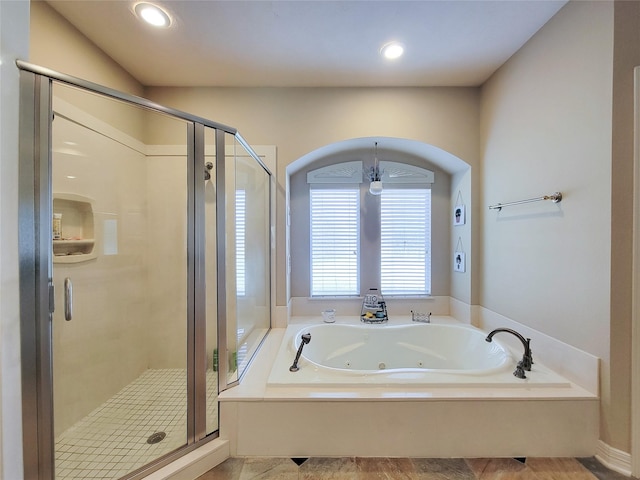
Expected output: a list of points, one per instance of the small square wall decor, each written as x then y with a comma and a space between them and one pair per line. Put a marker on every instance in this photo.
458, 262
458, 215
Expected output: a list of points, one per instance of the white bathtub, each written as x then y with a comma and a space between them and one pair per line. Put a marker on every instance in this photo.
446, 354
376, 349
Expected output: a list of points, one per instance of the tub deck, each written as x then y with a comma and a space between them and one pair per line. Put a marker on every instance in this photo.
261, 419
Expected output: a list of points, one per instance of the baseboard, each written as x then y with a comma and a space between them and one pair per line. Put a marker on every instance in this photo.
614, 459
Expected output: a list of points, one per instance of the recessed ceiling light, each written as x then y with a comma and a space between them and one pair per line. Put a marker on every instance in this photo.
392, 50
153, 15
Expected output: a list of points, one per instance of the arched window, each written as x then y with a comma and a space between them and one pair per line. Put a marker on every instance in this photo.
386, 245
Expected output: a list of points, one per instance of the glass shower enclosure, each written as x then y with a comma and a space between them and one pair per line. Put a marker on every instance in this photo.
145, 276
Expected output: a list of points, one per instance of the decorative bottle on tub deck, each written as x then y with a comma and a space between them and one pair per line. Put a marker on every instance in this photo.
374, 308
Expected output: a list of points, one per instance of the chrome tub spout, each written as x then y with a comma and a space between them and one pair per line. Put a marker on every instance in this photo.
306, 338
527, 357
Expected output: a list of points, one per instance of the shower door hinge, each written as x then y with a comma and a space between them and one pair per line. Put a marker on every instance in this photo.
52, 302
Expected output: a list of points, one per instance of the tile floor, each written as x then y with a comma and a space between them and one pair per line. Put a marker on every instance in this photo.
112, 440
411, 469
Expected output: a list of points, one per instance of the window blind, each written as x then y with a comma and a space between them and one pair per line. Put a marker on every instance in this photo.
405, 241
334, 241
241, 214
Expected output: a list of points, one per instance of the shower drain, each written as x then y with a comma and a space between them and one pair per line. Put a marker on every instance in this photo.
156, 437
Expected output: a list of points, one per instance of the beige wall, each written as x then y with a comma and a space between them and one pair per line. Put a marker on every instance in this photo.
72, 53
546, 127
301, 120
57, 45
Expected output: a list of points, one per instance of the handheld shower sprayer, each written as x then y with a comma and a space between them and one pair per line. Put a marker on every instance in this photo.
306, 338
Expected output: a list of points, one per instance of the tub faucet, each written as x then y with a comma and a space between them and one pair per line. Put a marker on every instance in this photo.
527, 358
306, 338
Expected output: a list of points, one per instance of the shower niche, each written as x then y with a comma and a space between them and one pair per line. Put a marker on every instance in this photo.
73, 225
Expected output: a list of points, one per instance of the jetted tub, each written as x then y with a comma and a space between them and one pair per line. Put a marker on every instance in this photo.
371, 349
410, 354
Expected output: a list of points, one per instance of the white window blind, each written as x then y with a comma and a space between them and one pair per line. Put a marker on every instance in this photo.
334, 241
241, 214
405, 241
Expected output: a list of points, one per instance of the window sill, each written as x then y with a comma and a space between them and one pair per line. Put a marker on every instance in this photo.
361, 297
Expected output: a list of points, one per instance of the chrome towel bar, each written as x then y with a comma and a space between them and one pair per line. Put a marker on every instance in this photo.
556, 197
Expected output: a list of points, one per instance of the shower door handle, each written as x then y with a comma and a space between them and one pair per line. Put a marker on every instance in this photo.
68, 299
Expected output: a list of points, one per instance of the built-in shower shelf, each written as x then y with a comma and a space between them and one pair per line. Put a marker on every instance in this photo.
77, 228
73, 251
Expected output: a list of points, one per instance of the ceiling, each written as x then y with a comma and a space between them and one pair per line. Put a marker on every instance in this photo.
307, 43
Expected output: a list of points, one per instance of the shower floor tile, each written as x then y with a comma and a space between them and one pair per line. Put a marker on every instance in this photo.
112, 440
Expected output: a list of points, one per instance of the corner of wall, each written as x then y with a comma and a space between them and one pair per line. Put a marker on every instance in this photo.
461, 311
14, 24
283, 313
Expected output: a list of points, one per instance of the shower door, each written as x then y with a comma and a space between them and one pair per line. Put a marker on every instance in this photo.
120, 274
143, 238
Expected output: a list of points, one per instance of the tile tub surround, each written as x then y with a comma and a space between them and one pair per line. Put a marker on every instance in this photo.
420, 421
350, 468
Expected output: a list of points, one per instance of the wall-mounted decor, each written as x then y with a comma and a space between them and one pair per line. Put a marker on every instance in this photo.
459, 211
459, 257
458, 215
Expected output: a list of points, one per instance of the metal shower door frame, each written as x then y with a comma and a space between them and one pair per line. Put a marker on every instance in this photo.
36, 265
